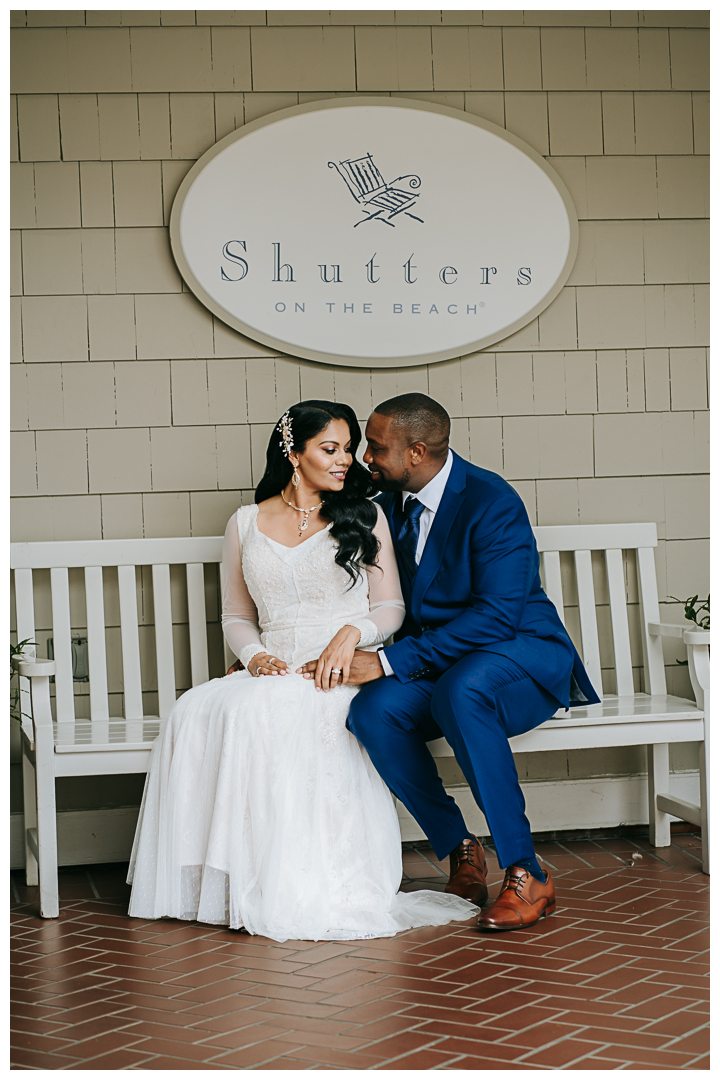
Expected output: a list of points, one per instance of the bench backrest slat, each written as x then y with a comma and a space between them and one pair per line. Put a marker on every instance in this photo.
652, 646
588, 617
130, 639
62, 644
197, 620
163, 638
97, 659
553, 580
25, 622
619, 621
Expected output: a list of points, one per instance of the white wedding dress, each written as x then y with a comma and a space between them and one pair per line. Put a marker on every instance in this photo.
260, 809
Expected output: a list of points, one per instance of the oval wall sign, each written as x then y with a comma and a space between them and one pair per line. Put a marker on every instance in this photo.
374, 232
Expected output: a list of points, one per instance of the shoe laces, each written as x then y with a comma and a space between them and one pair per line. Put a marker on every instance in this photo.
514, 881
464, 852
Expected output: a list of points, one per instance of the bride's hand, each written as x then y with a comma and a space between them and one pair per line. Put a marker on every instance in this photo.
265, 664
336, 657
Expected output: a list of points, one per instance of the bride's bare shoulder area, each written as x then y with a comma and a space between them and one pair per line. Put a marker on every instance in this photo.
270, 506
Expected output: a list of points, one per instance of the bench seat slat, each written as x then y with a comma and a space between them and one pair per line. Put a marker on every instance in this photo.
615, 722
118, 735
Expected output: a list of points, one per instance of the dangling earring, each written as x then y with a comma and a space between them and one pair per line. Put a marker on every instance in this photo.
295, 477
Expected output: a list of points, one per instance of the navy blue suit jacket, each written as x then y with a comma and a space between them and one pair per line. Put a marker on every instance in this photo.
478, 588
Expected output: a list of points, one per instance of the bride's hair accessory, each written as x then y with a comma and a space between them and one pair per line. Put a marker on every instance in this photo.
286, 443
285, 425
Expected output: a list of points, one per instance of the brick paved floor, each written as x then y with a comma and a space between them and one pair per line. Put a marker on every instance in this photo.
616, 979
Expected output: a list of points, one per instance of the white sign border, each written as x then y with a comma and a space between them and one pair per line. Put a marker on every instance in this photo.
331, 359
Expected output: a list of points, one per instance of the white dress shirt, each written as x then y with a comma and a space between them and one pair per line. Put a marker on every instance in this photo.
430, 496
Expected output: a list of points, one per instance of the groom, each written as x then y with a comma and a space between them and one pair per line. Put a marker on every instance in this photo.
482, 654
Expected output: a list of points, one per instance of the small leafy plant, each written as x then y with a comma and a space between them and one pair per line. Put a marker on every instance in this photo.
694, 608
16, 650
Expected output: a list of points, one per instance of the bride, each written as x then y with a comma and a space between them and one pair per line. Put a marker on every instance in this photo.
260, 809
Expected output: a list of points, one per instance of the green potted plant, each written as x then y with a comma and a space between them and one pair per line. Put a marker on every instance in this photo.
694, 608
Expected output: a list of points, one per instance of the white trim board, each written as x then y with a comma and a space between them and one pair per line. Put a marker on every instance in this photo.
595, 803
105, 836
84, 836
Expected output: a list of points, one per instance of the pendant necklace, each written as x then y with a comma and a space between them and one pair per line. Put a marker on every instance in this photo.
304, 520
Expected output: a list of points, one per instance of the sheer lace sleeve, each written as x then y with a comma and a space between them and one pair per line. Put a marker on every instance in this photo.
239, 614
387, 608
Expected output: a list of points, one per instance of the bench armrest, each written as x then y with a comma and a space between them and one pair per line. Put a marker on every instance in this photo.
38, 724
670, 630
32, 667
697, 643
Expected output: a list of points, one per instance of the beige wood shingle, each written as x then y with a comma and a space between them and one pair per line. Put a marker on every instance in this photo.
99, 60
119, 460
39, 127
111, 327
54, 328
62, 463
521, 58
88, 395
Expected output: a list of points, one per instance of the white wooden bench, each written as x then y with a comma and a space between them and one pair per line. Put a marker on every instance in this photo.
652, 718
66, 746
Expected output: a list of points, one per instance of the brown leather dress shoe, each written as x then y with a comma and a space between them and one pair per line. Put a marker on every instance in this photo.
468, 871
521, 901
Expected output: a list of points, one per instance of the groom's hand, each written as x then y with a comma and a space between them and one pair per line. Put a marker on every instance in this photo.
364, 667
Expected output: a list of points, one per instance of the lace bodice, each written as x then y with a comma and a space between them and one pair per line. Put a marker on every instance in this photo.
292, 601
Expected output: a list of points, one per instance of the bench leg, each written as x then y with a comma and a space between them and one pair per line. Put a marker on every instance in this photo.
704, 812
30, 818
658, 783
47, 824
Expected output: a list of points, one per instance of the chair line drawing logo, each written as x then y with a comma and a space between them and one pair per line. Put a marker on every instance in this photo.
379, 200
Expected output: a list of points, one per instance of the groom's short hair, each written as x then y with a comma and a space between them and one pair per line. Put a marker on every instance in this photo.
421, 419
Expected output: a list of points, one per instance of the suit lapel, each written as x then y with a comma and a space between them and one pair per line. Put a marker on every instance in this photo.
437, 538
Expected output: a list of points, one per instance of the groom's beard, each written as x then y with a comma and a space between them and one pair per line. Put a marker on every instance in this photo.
398, 483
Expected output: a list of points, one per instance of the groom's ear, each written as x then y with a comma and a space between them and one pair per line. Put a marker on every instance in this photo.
418, 452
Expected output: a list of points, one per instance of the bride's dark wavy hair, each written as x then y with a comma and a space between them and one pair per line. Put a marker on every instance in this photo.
351, 511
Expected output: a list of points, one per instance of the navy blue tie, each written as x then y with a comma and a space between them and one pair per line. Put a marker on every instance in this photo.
407, 538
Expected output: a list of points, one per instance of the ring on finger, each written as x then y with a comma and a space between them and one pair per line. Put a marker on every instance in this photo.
336, 671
